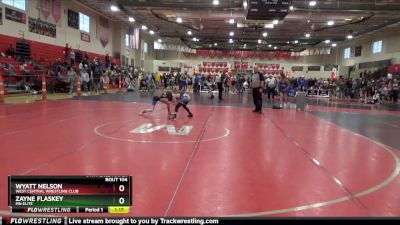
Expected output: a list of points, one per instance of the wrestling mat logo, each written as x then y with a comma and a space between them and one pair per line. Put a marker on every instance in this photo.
161, 132
171, 130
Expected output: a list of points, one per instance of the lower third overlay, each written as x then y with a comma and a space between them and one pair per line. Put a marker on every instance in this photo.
187, 220
105, 221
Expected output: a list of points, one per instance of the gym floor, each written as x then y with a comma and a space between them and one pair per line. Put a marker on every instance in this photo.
334, 159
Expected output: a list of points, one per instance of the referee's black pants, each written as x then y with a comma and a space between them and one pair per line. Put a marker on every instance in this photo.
257, 98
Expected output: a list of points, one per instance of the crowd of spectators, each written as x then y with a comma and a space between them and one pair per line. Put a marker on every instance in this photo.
97, 74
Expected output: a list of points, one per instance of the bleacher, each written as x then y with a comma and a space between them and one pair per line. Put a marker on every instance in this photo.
41, 57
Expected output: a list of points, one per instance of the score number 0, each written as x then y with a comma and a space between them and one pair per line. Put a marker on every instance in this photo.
121, 200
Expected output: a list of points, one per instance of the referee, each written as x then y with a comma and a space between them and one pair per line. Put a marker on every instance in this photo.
257, 84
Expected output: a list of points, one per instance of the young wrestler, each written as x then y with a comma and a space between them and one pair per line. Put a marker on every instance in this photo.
182, 99
165, 98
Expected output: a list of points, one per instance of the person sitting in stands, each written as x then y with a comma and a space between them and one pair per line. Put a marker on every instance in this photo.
11, 51
72, 77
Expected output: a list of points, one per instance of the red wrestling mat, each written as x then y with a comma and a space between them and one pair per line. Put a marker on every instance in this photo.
224, 161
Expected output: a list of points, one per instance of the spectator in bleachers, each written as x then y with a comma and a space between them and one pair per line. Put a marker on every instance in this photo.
395, 90
67, 49
72, 57
85, 78
72, 77
96, 72
271, 83
11, 51
108, 61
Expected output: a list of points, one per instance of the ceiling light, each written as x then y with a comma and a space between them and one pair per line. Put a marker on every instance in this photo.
349, 36
131, 19
194, 39
189, 32
269, 46
231, 21
331, 23
308, 21
312, 3
327, 41
151, 32
265, 34
348, 19
244, 46
307, 35
215, 2
275, 22
231, 33
230, 40
269, 26
291, 8
259, 41
179, 20
144, 27
245, 3
215, 44
275, 47
114, 8
287, 42
159, 40
334, 44
296, 41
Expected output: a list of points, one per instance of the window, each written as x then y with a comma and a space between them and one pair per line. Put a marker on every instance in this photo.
377, 47
19, 4
84, 23
127, 40
347, 53
145, 47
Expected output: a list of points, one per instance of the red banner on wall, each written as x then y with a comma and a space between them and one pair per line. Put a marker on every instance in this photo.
85, 37
46, 8
57, 10
103, 31
245, 54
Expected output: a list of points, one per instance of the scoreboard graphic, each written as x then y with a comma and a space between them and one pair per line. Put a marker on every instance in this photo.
70, 194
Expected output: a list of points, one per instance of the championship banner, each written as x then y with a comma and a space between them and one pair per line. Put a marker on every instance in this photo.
45, 6
172, 47
57, 11
85, 37
103, 31
15, 16
133, 38
1, 16
245, 54
41, 27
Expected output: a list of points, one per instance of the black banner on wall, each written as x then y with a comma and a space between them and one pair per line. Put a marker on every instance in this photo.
175, 69
297, 68
314, 68
41, 27
15, 16
73, 19
331, 67
163, 69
